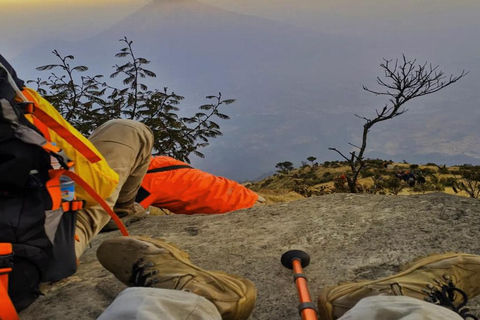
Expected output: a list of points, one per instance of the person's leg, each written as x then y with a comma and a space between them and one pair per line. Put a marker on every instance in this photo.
153, 304
448, 279
146, 262
127, 146
398, 308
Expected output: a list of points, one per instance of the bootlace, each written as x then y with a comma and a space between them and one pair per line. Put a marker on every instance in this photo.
141, 275
446, 297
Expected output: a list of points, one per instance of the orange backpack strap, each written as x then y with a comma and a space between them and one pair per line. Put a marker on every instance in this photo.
7, 310
44, 120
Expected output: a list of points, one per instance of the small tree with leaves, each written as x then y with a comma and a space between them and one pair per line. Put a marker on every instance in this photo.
75, 95
87, 102
311, 159
284, 167
404, 81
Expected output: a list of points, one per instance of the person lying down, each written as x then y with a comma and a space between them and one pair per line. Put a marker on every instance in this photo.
175, 185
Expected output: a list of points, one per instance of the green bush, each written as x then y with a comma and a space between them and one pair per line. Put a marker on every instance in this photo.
428, 171
368, 173
393, 184
266, 183
448, 182
429, 186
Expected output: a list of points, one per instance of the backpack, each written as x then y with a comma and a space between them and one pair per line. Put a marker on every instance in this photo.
37, 228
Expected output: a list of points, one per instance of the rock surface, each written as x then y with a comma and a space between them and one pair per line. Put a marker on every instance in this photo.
348, 237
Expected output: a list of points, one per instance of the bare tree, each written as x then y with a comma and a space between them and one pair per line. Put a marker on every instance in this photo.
403, 81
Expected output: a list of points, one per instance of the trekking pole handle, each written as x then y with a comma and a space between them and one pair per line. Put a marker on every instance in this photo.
296, 259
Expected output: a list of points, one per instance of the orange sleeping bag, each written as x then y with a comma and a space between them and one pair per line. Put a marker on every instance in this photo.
176, 186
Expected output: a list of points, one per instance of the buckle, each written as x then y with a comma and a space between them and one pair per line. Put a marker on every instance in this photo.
26, 107
73, 205
6, 261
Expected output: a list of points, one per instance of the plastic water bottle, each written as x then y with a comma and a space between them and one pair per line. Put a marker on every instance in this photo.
67, 186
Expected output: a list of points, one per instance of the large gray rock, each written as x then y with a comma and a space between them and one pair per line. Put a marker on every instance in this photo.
348, 237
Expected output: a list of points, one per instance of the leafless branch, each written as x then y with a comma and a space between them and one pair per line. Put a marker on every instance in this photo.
334, 149
354, 145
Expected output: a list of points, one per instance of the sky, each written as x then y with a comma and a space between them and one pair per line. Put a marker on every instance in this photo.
57, 19
294, 104
78, 19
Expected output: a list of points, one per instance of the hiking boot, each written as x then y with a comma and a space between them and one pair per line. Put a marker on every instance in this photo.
455, 276
147, 262
128, 213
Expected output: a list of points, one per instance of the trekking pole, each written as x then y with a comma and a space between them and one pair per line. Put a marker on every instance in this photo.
296, 260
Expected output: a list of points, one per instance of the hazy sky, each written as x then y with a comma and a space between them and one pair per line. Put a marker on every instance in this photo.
78, 19
31, 21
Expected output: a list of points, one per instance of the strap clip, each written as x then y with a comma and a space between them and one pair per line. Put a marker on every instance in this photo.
27, 107
6, 261
73, 205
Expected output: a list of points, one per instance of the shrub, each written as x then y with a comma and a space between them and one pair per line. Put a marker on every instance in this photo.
394, 185
448, 182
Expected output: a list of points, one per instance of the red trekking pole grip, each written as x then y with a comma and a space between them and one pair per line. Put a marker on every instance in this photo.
296, 260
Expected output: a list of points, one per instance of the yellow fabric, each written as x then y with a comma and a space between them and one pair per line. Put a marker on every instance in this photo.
98, 175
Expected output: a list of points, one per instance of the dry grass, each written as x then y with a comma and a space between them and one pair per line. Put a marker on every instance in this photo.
280, 195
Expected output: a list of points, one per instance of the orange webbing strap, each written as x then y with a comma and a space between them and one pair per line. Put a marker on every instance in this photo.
51, 123
39, 124
97, 198
7, 310
53, 187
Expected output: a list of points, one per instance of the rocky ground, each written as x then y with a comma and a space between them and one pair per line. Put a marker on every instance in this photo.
348, 237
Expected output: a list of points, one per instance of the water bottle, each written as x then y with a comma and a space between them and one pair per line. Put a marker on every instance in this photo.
67, 186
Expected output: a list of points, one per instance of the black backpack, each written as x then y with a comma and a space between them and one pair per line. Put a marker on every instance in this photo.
42, 239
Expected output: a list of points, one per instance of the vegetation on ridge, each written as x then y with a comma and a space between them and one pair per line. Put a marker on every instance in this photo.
378, 177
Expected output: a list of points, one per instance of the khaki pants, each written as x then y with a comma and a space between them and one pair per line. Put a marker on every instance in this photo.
127, 146
156, 304
398, 308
